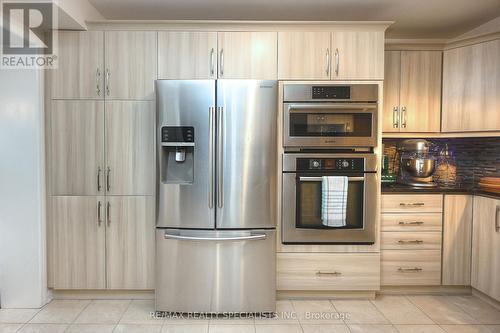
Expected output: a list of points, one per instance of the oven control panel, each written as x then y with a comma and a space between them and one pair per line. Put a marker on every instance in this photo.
331, 92
330, 164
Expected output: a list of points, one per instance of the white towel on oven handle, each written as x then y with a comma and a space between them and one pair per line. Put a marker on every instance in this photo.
334, 200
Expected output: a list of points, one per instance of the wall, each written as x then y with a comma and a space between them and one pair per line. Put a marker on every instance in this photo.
22, 206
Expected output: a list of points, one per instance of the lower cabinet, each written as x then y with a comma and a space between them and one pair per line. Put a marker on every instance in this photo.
98, 242
486, 246
411, 267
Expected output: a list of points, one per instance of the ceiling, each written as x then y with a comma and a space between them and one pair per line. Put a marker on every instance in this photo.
413, 18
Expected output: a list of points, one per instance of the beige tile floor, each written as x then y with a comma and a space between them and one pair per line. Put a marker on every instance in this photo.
385, 314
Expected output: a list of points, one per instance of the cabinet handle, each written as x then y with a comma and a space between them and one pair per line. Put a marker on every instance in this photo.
212, 63
416, 241
221, 62
98, 82
403, 116
411, 204
411, 223
108, 208
327, 62
497, 214
335, 273
337, 61
108, 182
99, 220
108, 74
395, 117
99, 179
410, 270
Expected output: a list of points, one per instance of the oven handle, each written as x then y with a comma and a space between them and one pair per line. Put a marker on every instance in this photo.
325, 108
318, 179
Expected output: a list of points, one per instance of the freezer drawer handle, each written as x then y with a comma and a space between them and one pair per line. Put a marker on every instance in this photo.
215, 239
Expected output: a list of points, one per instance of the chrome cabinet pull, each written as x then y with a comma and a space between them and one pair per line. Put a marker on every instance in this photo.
335, 273
411, 223
411, 204
108, 182
416, 241
211, 157
220, 157
337, 61
98, 82
108, 208
410, 270
221, 64
212, 63
108, 74
327, 62
395, 117
99, 220
99, 179
497, 215
404, 117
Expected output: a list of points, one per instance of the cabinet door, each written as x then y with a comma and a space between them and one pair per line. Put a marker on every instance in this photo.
248, 55
392, 81
78, 241
187, 55
357, 55
130, 138
420, 94
471, 82
76, 147
130, 250
457, 239
130, 64
303, 55
486, 246
80, 61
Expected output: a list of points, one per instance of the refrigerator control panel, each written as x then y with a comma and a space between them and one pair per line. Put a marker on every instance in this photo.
177, 134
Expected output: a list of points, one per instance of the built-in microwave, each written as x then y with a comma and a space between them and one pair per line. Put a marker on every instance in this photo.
326, 115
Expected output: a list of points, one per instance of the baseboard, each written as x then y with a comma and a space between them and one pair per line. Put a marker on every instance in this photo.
315, 294
103, 294
425, 290
486, 298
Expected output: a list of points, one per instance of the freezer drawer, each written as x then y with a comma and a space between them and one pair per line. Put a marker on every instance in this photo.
215, 271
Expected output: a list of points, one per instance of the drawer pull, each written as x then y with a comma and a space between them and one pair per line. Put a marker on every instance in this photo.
411, 223
319, 273
410, 270
411, 204
416, 241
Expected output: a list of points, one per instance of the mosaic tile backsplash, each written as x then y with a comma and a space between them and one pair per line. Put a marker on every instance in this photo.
474, 158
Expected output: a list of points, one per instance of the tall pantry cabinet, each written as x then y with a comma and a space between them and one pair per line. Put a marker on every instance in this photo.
100, 165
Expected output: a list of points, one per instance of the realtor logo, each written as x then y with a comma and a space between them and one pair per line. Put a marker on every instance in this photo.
28, 34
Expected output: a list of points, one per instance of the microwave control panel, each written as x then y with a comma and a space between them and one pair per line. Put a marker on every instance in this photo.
330, 164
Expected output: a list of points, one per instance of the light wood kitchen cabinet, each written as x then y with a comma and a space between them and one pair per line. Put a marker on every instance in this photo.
414, 203
357, 55
486, 246
80, 66
457, 239
304, 55
187, 55
78, 241
130, 138
412, 91
248, 55
130, 61
471, 82
130, 251
76, 147
411, 267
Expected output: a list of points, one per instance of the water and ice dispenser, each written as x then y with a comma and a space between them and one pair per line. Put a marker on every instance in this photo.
177, 155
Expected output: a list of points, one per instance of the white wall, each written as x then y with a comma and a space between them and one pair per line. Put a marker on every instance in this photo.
22, 207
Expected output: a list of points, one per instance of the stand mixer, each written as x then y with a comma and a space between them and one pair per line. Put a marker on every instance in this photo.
416, 164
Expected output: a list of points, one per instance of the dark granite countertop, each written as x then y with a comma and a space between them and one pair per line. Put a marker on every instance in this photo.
459, 189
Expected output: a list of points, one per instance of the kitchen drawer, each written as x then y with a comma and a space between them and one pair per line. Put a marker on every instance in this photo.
406, 267
404, 240
328, 271
412, 222
413, 203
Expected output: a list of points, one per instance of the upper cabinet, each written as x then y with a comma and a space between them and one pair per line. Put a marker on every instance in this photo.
303, 55
187, 55
412, 92
340, 55
470, 88
80, 66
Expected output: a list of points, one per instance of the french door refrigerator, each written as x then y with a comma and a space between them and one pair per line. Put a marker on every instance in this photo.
216, 195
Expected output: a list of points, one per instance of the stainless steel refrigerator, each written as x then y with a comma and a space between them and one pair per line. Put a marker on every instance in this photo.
216, 195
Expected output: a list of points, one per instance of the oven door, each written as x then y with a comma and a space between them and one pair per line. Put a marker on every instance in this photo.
302, 222
326, 124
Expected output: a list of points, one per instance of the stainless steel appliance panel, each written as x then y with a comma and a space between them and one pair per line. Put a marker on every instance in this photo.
303, 92
187, 103
246, 154
215, 271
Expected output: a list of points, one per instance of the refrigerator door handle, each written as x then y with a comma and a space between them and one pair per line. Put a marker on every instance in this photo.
211, 156
215, 239
220, 156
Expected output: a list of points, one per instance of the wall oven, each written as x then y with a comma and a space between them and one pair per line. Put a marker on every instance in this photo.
325, 115
302, 193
